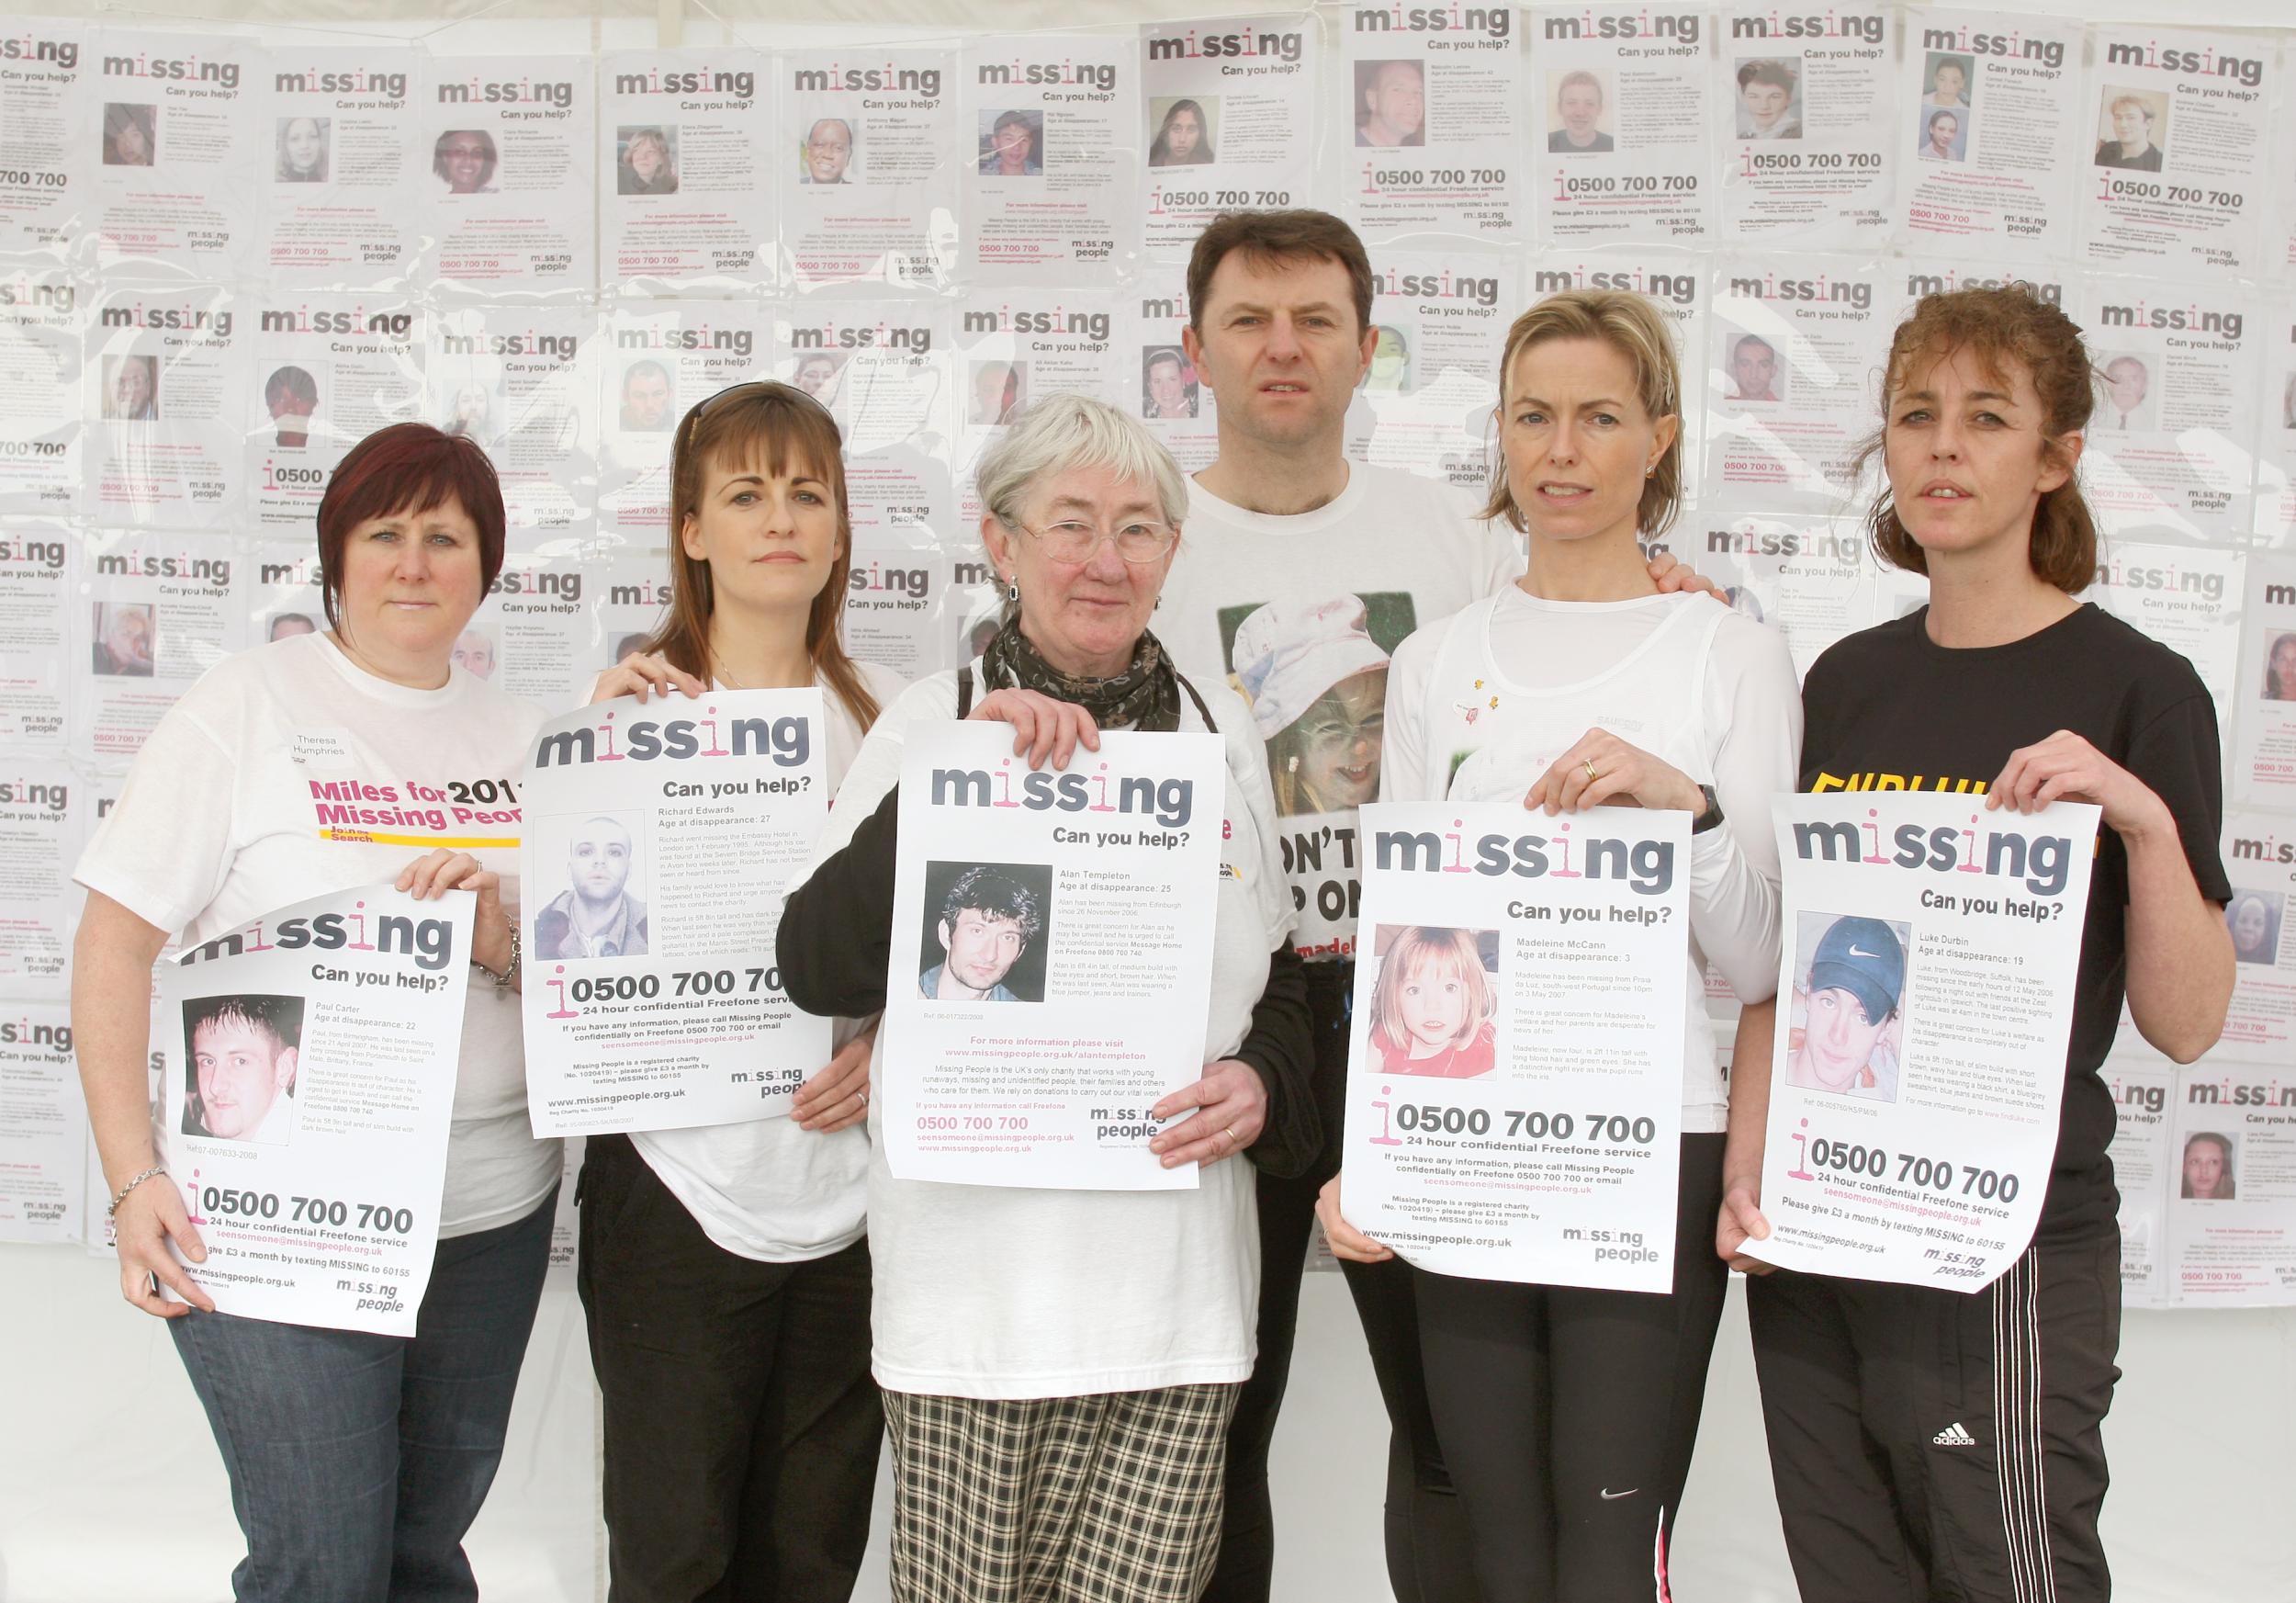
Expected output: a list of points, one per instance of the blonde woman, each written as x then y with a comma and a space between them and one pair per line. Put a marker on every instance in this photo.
1567, 1415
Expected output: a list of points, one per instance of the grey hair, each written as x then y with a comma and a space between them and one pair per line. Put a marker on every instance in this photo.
1063, 433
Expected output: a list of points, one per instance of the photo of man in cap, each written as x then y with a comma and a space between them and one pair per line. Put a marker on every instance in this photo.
1850, 1034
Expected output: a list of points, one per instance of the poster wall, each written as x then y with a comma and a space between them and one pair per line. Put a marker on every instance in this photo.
227, 256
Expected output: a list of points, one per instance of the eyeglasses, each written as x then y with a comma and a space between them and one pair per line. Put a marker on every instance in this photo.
1076, 541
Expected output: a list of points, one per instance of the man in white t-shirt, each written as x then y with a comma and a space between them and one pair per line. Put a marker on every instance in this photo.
1297, 572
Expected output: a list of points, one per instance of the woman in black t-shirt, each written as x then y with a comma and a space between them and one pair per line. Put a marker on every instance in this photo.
1935, 1443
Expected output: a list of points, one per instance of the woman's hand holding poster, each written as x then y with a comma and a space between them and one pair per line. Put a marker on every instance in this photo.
659, 835
307, 1090
1050, 975
1515, 1081
1931, 952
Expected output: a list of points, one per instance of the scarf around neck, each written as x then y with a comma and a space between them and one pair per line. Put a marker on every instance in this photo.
1146, 696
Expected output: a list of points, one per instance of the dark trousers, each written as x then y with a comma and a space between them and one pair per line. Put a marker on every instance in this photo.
1569, 1413
1934, 1446
1427, 1558
358, 1461
741, 1423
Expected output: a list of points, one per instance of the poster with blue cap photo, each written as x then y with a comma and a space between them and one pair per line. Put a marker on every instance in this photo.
1848, 1029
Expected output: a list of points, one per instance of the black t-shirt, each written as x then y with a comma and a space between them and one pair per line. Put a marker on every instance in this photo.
1889, 709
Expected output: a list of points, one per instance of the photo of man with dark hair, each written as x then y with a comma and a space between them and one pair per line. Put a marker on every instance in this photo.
985, 923
240, 1057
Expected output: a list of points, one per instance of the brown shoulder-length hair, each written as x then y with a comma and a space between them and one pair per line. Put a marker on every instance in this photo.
1637, 330
2002, 328
767, 427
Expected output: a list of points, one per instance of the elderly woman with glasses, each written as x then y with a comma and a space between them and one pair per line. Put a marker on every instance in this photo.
1059, 1367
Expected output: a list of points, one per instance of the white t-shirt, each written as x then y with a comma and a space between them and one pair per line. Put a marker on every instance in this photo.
770, 1189
1011, 1291
1482, 702
229, 811
1286, 609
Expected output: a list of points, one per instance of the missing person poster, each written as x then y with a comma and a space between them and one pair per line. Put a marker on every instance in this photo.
1813, 577
2181, 169
684, 204
2141, 1092
1016, 346
1990, 152
43, 1125
511, 203
1514, 1078
2168, 447
324, 371
521, 380
307, 1089
661, 358
170, 132
1051, 974
42, 344
1427, 401
2188, 598
2260, 859
659, 836
46, 161
887, 371
1810, 126
1930, 952
1626, 95
43, 817
1429, 120
1230, 122
1175, 399
1051, 125
2275, 453
154, 613
528, 639
2229, 1180
341, 150
1795, 345
36, 670
164, 387
870, 152
2264, 688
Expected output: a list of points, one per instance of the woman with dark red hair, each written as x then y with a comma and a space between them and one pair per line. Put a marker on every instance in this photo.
357, 1462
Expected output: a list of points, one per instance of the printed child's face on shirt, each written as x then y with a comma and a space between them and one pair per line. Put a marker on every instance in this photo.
1434, 1003
241, 1068
1837, 1037
1341, 739
983, 948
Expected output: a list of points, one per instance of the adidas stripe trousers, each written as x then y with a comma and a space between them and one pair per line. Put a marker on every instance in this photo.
1941, 1446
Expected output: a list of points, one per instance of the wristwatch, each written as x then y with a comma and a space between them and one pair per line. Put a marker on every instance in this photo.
1712, 816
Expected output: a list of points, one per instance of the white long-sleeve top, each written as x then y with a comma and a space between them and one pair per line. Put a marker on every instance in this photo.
1481, 704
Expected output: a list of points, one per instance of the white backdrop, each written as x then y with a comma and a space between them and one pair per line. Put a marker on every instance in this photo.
110, 1487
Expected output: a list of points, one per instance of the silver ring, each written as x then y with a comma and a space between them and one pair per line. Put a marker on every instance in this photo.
863, 1095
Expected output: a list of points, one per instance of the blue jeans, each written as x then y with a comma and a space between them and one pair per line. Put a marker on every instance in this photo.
358, 1461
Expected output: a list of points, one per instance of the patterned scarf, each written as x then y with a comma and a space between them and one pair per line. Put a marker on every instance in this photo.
1146, 696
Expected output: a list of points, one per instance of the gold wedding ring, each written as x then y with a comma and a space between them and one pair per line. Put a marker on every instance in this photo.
1590, 774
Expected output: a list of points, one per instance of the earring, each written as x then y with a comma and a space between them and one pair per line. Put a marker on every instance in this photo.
1012, 590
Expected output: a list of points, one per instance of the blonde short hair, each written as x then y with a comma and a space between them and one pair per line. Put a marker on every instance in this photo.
1635, 329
